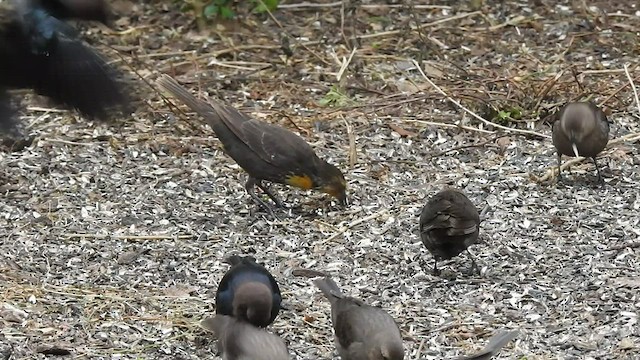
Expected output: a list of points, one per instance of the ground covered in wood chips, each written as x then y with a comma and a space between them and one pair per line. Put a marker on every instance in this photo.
113, 235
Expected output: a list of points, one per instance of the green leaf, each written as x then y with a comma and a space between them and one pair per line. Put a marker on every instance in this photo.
211, 11
264, 5
227, 13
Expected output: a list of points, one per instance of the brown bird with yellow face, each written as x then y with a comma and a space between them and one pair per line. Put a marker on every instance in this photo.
266, 152
449, 224
362, 332
582, 129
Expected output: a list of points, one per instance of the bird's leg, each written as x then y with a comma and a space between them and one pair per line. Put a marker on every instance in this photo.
559, 167
474, 265
600, 179
436, 272
250, 187
270, 194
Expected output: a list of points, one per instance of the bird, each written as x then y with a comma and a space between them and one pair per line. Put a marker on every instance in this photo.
449, 224
493, 347
248, 292
40, 51
581, 129
239, 340
265, 151
362, 332
88, 10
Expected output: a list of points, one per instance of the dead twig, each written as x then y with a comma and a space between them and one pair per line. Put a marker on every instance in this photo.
633, 87
443, 93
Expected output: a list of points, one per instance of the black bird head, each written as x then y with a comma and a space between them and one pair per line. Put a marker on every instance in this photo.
331, 181
248, 292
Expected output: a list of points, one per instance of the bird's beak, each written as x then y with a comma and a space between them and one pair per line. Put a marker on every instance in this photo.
575, 149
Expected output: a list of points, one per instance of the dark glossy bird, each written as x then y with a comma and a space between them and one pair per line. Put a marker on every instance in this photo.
248, 292
581, 129
238, 340
449, 224
40, 51
266, 152
496, 343
88, 10
362, 332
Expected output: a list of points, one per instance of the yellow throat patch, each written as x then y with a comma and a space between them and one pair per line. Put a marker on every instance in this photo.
303, 182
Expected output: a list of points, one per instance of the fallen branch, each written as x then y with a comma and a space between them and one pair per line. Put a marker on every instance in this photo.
489, 123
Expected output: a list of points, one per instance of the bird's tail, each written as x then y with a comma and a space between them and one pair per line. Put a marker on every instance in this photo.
237, 259
233, 260
329, 288
497, 342
216, 324
170, 85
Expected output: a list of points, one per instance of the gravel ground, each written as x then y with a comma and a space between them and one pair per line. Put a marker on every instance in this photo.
113, 236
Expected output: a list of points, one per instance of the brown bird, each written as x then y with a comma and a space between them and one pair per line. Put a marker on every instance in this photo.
449, 224
266, 152
238, 340
496, 343
248, 292
39, 51
362, 332
582, 129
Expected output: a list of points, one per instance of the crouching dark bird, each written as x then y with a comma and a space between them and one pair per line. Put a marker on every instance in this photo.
362, 332
449, 224
40, 51
248, 292
496, 343
238, 340
266, 152
581, 129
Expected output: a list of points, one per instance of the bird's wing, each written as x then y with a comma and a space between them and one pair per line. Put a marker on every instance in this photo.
457, 219
273, 144
76, 76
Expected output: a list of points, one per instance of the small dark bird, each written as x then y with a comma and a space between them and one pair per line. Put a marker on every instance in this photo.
39, 51
266, 152
496, 343
88, 10
238, 340
582, 129
362, 332
248, 292
449, 224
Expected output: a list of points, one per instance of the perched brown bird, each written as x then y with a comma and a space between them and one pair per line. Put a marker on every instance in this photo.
266, 152
449, 224
39, 51
362, 332
238, 340
582, 129
496, 343
248, 292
